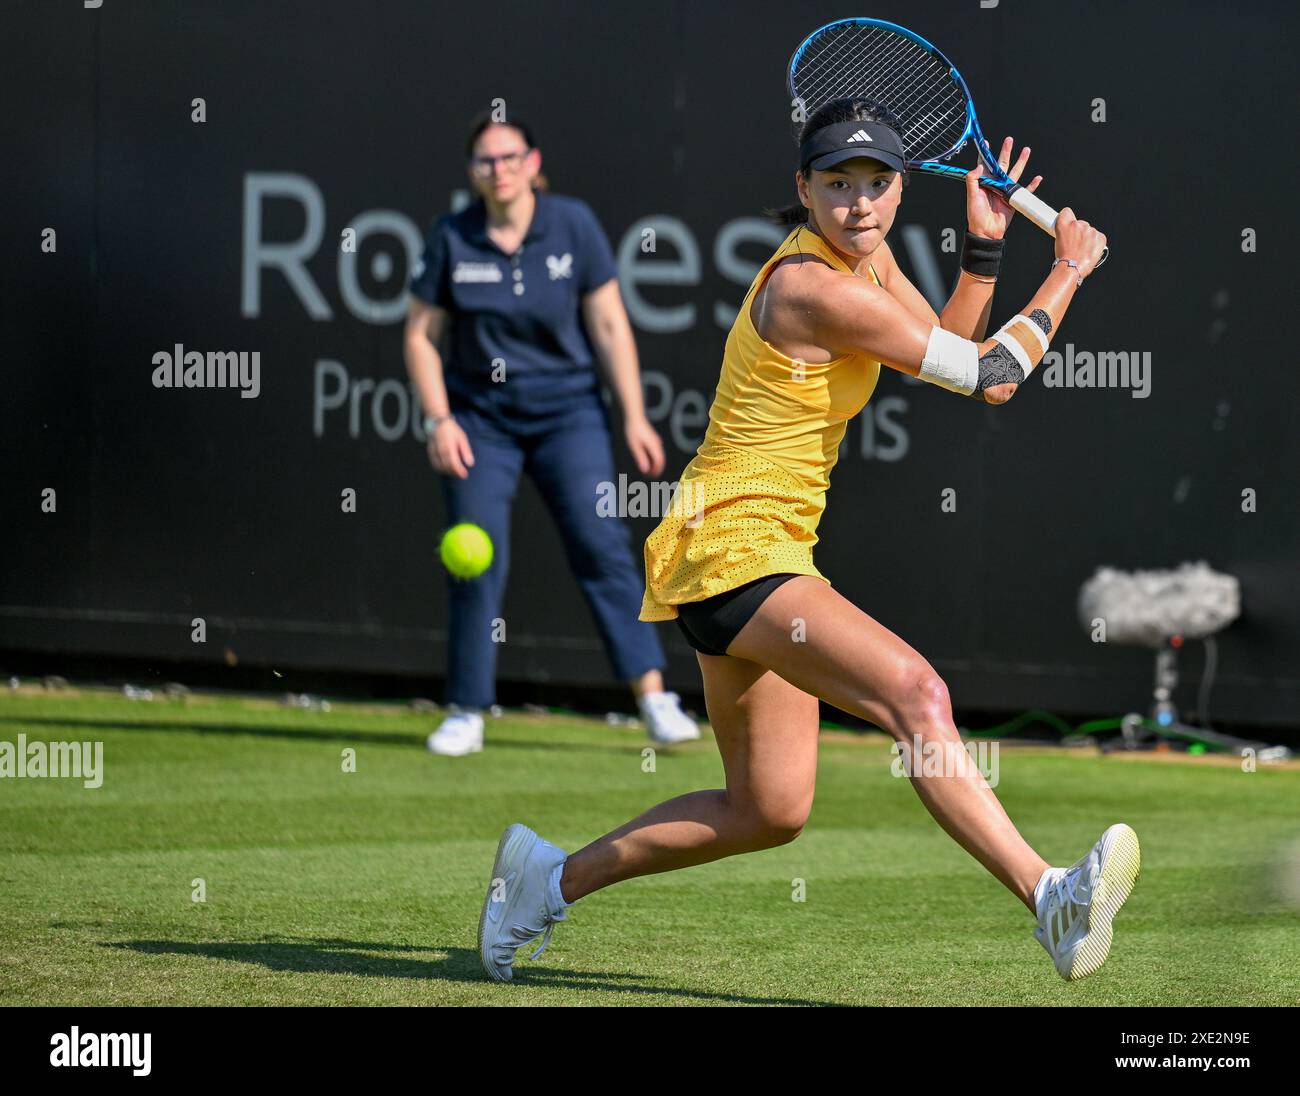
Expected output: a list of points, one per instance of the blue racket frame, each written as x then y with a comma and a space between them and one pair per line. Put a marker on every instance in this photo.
1001, 181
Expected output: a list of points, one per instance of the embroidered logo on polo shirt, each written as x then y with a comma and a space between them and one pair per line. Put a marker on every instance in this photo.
561, 267
476, 272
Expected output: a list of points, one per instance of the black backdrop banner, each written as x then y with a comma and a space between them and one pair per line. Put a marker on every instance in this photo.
197, 167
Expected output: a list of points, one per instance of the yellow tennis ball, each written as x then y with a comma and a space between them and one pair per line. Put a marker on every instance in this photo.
466, 550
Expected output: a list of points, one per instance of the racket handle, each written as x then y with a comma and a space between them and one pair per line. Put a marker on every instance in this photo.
1043, 215
1037, 210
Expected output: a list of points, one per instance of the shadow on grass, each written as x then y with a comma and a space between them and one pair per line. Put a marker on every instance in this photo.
320, 734
370, 960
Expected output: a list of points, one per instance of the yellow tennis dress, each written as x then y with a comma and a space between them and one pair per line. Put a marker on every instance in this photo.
749, 502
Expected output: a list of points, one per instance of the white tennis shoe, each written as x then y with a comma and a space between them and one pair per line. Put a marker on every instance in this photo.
523, 900
459, 734
1077, 904
665, 721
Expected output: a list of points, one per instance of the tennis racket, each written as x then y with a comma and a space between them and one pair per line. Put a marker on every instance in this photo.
902, 71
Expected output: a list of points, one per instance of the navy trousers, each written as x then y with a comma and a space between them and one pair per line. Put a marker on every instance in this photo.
566, 455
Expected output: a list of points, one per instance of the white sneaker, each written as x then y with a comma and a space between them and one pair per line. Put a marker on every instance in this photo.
523, 900
665, 721
459, 734
1076, 904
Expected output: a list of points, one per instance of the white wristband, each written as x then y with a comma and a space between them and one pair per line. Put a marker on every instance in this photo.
951, 362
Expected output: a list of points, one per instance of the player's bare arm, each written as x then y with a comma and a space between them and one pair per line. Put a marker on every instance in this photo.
847, 314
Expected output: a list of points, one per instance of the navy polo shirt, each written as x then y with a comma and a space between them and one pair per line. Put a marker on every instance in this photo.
522, 309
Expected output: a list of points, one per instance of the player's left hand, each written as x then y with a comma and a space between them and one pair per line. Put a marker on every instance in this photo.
987, 212
645, 445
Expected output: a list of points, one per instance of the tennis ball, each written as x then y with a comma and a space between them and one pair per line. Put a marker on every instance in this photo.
466, 550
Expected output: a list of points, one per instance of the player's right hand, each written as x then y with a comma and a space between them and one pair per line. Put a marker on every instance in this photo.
1078, 240
449, 450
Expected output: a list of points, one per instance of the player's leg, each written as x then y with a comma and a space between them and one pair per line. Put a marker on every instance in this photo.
825, 645
766, 730
767, 733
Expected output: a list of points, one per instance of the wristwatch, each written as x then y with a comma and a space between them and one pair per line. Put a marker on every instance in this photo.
431, 423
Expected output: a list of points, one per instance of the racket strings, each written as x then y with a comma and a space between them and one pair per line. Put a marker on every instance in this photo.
929, 104
893, 70
886, 63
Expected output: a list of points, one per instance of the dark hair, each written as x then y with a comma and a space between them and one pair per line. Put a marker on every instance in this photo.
487, 118
829, 114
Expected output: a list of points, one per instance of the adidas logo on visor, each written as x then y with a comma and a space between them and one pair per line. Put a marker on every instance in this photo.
861, 135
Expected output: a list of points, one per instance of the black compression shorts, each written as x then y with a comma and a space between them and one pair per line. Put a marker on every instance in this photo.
711, 625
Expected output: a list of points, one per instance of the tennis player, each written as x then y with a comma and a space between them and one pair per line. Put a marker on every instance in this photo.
822, 316
523, 285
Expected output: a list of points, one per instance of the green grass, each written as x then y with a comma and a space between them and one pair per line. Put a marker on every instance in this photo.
325, 887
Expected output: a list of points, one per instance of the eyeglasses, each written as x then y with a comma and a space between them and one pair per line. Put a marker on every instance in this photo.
511, 161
